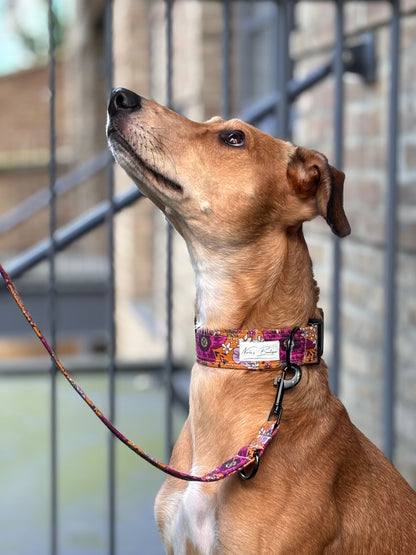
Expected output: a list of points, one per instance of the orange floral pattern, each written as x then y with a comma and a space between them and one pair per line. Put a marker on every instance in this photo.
222, 349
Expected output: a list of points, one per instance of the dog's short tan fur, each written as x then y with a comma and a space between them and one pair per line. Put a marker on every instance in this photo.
322, 486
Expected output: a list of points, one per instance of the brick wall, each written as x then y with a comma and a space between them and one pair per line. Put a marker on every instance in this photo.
365, 165
24, 149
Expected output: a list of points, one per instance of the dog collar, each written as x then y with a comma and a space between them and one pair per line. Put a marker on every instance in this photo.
259, 349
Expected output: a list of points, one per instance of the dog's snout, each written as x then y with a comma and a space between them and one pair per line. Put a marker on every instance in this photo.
123, 99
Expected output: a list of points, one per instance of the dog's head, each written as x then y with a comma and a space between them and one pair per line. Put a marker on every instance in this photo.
221, 183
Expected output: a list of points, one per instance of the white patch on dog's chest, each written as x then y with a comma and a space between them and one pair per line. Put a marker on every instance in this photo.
192, 518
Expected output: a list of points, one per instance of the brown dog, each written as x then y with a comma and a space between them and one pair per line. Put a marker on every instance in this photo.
239, 198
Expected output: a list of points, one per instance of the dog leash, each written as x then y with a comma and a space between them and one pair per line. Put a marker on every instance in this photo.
248, 455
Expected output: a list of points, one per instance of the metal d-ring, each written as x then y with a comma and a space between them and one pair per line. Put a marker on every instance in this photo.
254, 469
295, 379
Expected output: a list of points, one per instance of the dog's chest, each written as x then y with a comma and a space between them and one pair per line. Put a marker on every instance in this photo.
191, 520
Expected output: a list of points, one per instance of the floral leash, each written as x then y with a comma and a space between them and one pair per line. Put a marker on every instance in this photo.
246, 456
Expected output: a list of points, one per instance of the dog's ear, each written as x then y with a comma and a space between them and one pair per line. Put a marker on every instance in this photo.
311, 176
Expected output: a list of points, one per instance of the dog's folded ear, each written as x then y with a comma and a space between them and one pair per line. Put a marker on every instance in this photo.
311, 176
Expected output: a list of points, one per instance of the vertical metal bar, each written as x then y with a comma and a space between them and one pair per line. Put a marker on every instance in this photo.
169, 53
226, 66
169, 248
111, 298
391, 236
338, 159
282, 125
52, 282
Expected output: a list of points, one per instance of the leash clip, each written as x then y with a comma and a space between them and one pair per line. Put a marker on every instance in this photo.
277, 408
282, 384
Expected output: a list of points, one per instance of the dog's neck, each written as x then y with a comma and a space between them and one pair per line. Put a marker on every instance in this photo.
264, 285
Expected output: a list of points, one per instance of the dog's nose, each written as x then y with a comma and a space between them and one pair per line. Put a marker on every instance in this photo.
123, 99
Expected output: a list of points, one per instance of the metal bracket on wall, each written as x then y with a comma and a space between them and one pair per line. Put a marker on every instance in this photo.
359, 58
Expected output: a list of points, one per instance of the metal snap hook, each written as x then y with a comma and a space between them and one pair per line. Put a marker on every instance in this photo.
295, 379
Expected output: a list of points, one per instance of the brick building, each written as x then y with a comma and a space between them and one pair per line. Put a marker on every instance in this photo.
363, 275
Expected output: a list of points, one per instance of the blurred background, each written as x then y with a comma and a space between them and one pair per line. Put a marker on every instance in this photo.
115, 292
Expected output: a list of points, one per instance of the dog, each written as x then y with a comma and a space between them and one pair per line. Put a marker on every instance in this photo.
239, 198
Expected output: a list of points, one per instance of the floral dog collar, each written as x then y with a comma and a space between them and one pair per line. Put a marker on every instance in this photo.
258, 349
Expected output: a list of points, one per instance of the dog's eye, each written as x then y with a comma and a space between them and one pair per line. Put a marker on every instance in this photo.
234, 138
